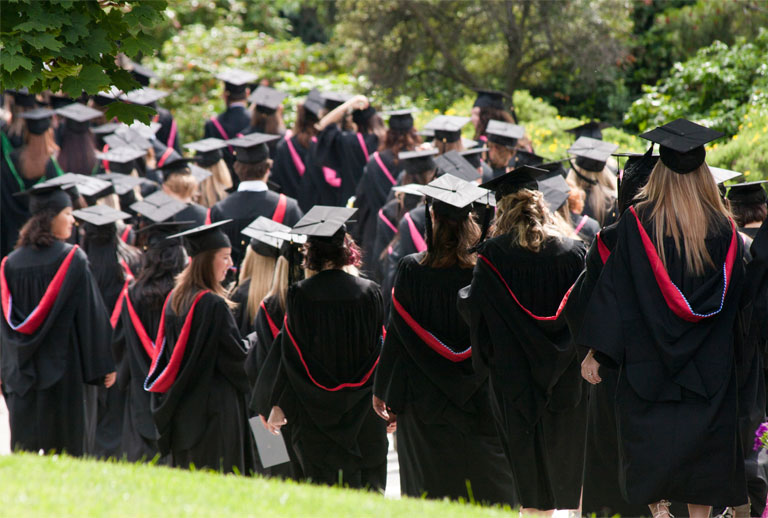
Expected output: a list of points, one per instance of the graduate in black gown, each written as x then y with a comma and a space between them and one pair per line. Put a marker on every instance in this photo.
197, 376
405, 199
32, 163
162, 261
380, 175
253, 197
292, 152
663, 310
344, 151
267, 115
209, 156
112, 263
318, 376
502, 138
514, 306
590, 172
55, 331
447, 443
749, 204
181, 181
77, 153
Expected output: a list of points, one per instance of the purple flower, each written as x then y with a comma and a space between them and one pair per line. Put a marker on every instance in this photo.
760, 435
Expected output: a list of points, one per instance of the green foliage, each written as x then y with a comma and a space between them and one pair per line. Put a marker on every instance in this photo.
71, 45
717, 86
66, 487
747, 151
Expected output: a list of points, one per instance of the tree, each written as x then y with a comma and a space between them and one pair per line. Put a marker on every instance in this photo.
72, 46
505, 44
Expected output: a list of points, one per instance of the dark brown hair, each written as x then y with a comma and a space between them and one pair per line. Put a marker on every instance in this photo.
37, 231
255, 171
197, 276
397, 141
320, 253
78, 152
488, 114
451, 243
271, 124
745, 213
304, 126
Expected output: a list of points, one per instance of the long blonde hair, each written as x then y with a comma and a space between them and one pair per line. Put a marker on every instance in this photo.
600, 192
197, 276
525, 214
683, 206
214, 188
260, 270
182, 185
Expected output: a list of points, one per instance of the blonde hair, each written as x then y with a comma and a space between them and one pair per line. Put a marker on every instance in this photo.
214, 188
444, 147
182, 185
197, 276
601, 191
279, 286
260, 270
525, 214
685, 207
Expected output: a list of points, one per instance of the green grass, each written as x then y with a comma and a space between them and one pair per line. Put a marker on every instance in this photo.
61, 486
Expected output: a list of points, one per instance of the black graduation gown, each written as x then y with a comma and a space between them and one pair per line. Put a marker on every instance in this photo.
233, 120
192, 212
609, 215
678, 432
371, 194
202, 418
245, 206
43, 373
14, 210
336, 321
587, 229
446, 439
534, 369
386, 230
240, 296
405, 245
139, 434
163, 134
285, 171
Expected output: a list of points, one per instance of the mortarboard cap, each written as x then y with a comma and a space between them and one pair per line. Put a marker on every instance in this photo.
78, 116
748, 193
453, 197
47, 197
59, 101
721, 175
100, 215
509, 183
409, 188
132, 137
592, 154
554, 188
123, 183
106, 129
314, 102
22, 97
208, 151
121, 159
139, 72
145, 96
89, 187
325, 222
681, 144
447, 128
158, 207
489, 99
400, 120
38, 120
474, 155
236, 81
504, 133
455, 164
418, 161
252, 148
199, 173
205, 237
360, 117
591, 129
156, 234
108, 96
335, 99
267, 99
263, 233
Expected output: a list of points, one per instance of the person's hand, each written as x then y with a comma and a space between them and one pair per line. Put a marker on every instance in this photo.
359, 102
109, 379
380, 407
590, 368
276, 420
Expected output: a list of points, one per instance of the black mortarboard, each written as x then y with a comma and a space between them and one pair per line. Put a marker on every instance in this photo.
263, 242
314, 102
681, 144
591, 129
139, 72
89, 187
335, 99
452, 196
38, 120
108, 97
360, 117
400, 120
156, 234
748, 193
122, 183
454, 164
100, 215
509, 183
592, 154
447, 128
324, 222
145, 96
158, 207
721, 175
121, 160
418, 161
414, 189
199, 173
236, 81
267, 99
182, 165
22, 97
554, 188
205, 237
208, 151
523, 157
59, 101
637, 171
474, 155
504, 133
130, 137
106, 129
489, 99
42, 198
78, 116
252, 148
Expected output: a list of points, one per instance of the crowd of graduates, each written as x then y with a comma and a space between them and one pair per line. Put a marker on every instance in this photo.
585, 333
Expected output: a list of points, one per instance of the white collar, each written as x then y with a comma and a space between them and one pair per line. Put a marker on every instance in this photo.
252, 186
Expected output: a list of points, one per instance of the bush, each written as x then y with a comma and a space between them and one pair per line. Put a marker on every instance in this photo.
747, 151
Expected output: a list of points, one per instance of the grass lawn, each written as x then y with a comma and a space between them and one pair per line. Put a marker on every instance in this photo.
60, 486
